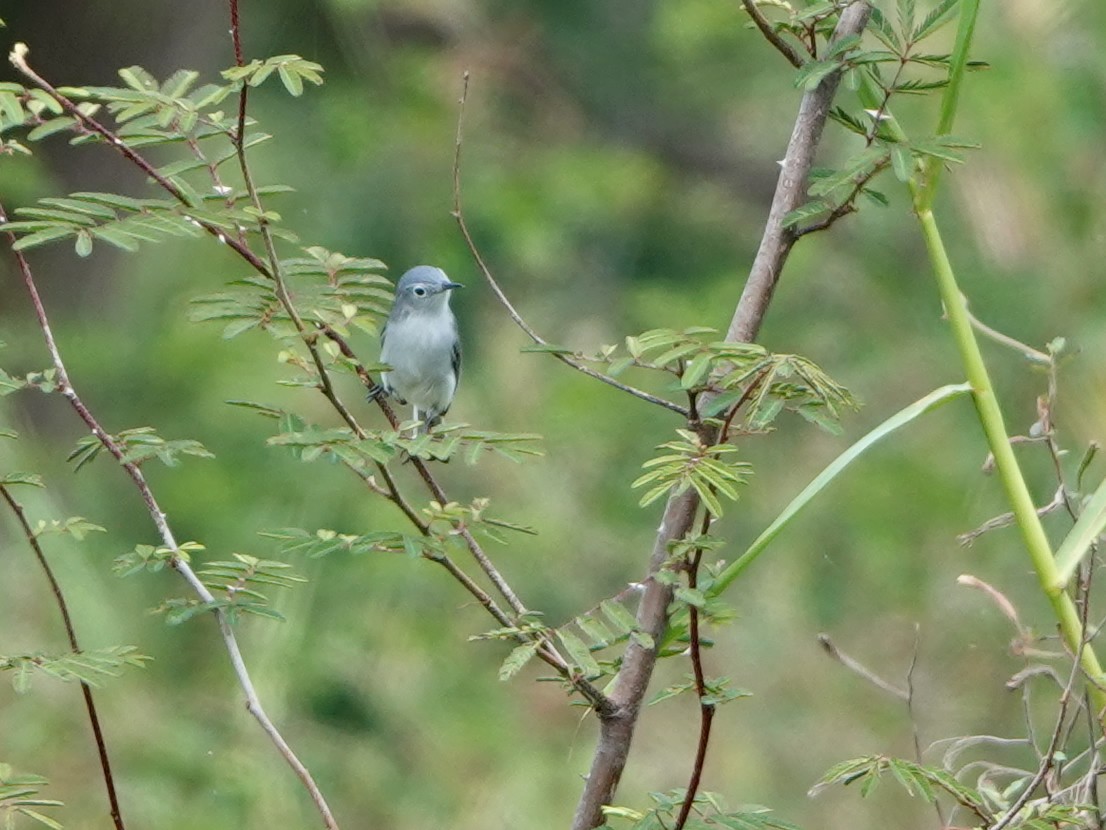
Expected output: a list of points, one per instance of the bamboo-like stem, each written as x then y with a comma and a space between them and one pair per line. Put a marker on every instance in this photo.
958, 64
1006, 463
923, 190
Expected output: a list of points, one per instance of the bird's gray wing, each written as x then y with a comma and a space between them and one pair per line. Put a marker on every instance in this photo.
455, 359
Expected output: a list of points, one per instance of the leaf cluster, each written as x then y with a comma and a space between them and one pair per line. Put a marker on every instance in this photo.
89, 667
709, 812
582, 638
147, 112
691, 463
330, 288
917, 780
150, 559
239, 582
897, 68
323, 542
19, 796
309, 442
734, 374
139, 444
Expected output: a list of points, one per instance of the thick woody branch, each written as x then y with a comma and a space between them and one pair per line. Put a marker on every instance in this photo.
617, 729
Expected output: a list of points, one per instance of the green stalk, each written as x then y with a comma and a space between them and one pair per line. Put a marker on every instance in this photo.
1006, 464
958, 66
1049, 575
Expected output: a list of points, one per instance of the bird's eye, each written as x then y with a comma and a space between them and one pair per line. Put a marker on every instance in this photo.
419, 291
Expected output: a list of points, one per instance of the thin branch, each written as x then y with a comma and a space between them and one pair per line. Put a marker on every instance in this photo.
1054, 744
459, 215
71, 634
706, 708
770, 34
915, 733
859, 669
1006, 519
1027, 351
253, 703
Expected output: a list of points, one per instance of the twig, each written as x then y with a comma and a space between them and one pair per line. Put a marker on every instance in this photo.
706, 708
71, 634
1059, 500
770, 34
1054, 744
1028, 352
858, 668
914, 720
253, 703
459, 215
617, 729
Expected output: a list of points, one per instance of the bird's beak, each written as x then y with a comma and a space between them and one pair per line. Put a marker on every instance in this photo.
449, 286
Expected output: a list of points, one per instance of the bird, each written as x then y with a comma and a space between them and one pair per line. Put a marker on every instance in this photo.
421, 346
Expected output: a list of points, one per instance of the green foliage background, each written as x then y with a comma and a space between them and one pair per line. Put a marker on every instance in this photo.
619, 161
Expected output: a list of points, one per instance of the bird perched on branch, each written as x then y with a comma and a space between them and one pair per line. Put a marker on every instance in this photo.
420, 345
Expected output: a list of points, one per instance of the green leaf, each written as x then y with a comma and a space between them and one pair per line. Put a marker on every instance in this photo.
905, 10
617, 614
823, 479
937, 17
1083, 534
11, 109
879, 26
902, 162
292, 82
28, 479
579, 654
813, 72
813, 208
518, 658
548, 348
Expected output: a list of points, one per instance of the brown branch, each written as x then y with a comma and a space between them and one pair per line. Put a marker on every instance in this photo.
71, 634
617, 729
459, 215
771, 35
706, 709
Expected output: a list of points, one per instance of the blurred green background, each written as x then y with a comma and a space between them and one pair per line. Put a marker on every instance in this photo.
619, 160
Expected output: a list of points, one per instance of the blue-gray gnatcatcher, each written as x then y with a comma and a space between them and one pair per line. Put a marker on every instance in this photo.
420, 345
